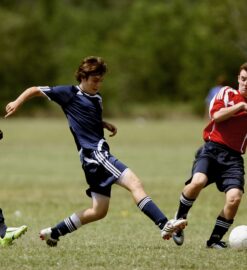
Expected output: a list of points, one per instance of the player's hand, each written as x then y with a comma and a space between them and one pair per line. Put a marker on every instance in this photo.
11, 108
1, 134
111, 128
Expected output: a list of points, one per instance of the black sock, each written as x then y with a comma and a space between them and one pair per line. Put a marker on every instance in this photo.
221, 227
149, 208
184, 206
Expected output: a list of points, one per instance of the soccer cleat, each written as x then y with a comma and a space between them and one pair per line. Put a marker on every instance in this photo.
45, 234
218, 245
178, 237
11, 234
172, 226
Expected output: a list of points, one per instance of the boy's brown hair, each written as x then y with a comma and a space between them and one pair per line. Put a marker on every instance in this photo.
90, 66
243, 66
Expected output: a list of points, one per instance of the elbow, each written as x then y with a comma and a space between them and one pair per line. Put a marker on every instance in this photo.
216, 120
35, 92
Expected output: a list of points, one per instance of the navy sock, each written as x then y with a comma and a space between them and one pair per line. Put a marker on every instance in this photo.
184, 206
3, 226
68, 225
220, 229
148, 207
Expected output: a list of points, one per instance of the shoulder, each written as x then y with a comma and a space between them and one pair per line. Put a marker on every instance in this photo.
64, 88
224, 98
226, 92
56, 88
61, 94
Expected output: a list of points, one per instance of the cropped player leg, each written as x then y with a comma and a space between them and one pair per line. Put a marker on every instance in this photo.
3, 227
190, 193
99, 209
226, 216
133, 184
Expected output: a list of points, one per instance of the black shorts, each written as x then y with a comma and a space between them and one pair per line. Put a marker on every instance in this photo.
101, 170
223, 166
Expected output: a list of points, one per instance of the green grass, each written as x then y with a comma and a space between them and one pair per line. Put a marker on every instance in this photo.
41, 178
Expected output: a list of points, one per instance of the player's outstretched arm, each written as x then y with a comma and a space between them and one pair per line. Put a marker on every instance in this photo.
13, 106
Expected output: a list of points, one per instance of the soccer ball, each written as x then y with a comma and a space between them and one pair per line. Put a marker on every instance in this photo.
238, 237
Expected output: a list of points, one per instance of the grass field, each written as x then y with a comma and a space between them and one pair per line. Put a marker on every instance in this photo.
42, 183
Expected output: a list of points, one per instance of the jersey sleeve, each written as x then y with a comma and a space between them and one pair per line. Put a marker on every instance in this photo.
220, 100
59, 94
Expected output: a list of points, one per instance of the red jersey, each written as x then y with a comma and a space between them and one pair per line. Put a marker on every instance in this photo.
233, 131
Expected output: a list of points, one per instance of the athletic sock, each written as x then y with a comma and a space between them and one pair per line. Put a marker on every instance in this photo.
68, 225
148, 207
221, 227
3, 226
184, 206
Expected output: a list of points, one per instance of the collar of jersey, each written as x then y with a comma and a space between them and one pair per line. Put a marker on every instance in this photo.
86, 94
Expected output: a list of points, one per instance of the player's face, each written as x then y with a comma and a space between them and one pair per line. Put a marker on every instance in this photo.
92, 84
242, 81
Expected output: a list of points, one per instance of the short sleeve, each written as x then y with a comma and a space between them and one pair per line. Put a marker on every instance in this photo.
223, 99
59, 94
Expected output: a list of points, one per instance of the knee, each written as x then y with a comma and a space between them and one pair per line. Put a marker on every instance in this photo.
198, 182
99, 213
234, 201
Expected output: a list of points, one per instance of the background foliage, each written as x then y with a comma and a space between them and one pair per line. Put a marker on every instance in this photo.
157, 51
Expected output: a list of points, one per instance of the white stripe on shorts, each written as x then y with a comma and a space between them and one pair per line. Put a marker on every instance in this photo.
102, 160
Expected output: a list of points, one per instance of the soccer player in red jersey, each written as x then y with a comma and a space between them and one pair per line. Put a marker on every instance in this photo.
220, 160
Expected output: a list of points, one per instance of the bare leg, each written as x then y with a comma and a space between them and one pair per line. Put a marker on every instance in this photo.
197, 183
226, 216
133, 184
233, 199
190, 193
99, 209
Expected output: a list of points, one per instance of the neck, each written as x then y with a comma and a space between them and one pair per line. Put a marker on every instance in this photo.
81, 87
84, 90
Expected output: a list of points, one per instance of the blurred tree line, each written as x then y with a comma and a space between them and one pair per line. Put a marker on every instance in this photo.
158, 52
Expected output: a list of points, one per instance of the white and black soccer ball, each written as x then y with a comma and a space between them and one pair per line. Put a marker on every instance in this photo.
238, 237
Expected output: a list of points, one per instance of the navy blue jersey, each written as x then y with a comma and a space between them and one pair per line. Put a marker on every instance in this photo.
84, 114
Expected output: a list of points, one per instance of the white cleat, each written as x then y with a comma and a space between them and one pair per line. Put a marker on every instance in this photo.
45, 235
172, 226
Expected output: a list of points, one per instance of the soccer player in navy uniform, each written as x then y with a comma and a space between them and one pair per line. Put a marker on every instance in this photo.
220, 160
9, 234
82, 105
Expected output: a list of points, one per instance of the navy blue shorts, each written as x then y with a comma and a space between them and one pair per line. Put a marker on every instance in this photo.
101, 170
223, 166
